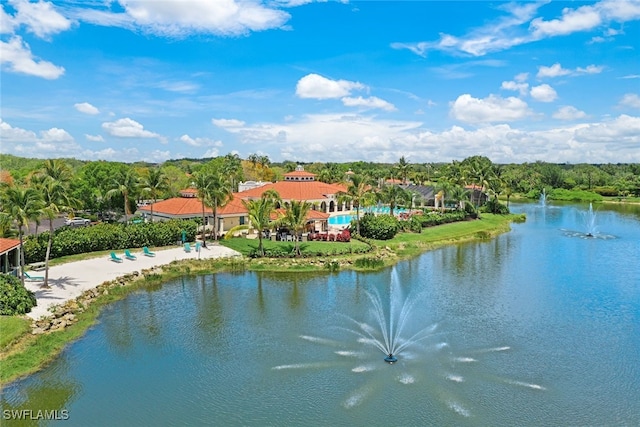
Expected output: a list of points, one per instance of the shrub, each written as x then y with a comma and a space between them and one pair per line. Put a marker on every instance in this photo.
102, 237
495, 207
381, 227
368, 262
14, 298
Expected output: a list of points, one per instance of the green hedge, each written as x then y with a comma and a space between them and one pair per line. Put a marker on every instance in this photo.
574, 195
14, 298
379, 227
436, 218
102, 237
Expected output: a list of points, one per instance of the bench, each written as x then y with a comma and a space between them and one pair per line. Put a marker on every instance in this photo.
37, 266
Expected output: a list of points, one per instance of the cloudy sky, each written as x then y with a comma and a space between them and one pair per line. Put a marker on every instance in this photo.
322, 81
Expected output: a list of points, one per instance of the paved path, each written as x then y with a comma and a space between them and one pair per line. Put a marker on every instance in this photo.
68, 281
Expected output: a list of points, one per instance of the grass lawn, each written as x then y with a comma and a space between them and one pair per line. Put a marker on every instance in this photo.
11, 328
247, 246
408, 244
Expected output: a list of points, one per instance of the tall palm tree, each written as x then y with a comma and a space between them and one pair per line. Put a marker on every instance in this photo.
22, 205
56, 198
295, 217
403, 167
201, 182
358, 193
460, 195
260, 211
127, 185
214, 190
392, 195
442, 189
154, 183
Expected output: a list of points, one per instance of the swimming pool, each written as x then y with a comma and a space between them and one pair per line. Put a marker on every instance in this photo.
341, 219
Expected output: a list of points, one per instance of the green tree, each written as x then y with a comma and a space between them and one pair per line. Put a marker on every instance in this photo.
358, 193
404, 168
126, 184
295, 217
56, 198
154, 183
393, 195
214, 191
22, 205
260, 211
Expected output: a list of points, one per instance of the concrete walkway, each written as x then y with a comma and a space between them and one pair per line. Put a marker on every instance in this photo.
70, 280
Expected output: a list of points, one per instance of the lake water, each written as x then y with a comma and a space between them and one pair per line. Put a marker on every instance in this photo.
540, 326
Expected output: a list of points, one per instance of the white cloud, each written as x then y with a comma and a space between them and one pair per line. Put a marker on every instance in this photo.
555, 70
227, 123
623, 129
572, 20
47, 143
630, 100
200, 142
367, 103
590, 69
86, 108
16, 56
488, 110
543, 93
7, 23
179, 86
179, 18
94, 138
519, 26
569, 112
40, 18
129, 128
317, 87
521, 87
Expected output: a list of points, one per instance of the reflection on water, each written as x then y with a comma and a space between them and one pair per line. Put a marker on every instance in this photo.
534, 328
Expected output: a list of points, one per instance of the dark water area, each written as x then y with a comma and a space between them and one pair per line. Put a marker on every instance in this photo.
539, 326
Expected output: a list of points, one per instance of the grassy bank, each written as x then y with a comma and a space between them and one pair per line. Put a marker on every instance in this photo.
23, 353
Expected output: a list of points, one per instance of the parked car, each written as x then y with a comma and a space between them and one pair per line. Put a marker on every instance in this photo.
77, 221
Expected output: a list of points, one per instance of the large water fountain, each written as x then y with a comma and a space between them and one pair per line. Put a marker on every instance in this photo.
590, 222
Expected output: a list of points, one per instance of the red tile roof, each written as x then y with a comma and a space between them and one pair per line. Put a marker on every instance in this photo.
7, 244
191, 206
299, 173
296, 190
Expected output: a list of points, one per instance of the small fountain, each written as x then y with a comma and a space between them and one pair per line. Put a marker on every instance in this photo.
590, 222
543, 198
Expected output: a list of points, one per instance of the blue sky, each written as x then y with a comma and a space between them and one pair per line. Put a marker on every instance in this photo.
329, 81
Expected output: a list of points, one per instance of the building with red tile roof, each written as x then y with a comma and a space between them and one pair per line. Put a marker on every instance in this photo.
298, 185
9, 254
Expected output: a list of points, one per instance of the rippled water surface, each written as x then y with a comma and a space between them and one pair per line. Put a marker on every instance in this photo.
539, 326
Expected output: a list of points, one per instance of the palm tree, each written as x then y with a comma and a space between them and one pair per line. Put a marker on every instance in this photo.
22, 205
260, 212
460, 195
126, 184
56, 199
403, 168
442, 189
392, 195
155, 183
358, 193
214, 190
295, 217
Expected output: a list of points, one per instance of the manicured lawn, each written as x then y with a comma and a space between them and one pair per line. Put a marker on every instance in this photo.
11, 328
247, 246
412, 243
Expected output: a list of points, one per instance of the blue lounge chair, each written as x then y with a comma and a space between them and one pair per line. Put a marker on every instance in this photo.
187, 247
147, 252
115, 257
129, 255
32, 278
198, 246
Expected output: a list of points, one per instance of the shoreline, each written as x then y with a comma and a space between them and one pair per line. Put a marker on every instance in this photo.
32, 351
